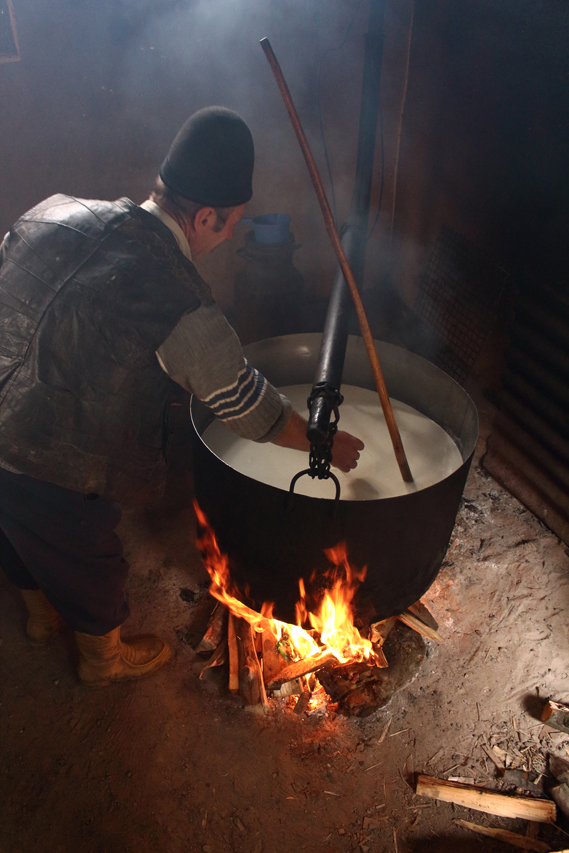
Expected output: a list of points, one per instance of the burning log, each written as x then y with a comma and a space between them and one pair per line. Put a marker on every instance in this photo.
273, 662
490, 802
233, 654
251, 683
303, 701
301, 668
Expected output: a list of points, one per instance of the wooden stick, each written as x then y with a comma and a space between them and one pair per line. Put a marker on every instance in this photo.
418, 625
505, 835
233, 655
490, 802
343, 261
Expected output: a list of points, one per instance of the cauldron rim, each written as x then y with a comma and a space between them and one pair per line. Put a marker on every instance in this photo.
313, 337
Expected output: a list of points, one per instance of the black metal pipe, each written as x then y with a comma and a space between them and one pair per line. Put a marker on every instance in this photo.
354, 234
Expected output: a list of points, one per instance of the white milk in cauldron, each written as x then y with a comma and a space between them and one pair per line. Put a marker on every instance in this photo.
431, 452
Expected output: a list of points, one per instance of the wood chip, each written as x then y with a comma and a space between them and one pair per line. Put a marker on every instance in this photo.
505, 835
493, 756
434, 758
385, 729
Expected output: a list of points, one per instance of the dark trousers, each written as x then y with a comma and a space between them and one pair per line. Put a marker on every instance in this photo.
65, 544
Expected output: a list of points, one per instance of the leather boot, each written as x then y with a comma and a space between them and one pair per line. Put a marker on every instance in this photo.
44, 622
107, 658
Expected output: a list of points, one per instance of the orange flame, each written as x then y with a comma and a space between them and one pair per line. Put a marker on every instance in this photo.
332, 622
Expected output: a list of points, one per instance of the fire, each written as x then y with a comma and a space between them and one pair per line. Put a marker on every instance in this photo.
333, 630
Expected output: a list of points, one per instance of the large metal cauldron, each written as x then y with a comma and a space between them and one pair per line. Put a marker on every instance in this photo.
273, 538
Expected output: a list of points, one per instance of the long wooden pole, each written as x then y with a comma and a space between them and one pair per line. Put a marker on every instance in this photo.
344, 265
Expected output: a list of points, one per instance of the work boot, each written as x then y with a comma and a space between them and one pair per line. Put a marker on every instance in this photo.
44, 622
107, 658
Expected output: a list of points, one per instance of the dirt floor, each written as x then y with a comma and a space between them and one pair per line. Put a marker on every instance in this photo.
174, 766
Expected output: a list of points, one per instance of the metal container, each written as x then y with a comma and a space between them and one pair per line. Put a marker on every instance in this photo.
273, 538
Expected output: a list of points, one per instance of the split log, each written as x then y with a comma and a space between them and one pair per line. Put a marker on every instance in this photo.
380, 631
273, 661
490, 802
233, 654
215, 630
418, 625
251, 684
378, 634
300, 668
424, 614
513, 838
219, 657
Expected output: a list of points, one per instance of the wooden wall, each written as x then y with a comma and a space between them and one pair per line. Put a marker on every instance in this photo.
475, 116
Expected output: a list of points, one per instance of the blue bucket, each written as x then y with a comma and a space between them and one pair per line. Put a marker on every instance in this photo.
270, 229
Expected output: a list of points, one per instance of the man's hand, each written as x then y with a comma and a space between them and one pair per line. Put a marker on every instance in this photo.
346, 450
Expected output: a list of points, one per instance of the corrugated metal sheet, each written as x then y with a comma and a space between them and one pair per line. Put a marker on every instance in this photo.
528, 450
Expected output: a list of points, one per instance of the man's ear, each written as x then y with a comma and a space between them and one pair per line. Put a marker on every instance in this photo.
205, 220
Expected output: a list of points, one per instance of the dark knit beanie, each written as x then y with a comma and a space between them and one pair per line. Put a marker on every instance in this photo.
211, 159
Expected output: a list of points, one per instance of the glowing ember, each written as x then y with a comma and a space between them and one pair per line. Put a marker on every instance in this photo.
334, 632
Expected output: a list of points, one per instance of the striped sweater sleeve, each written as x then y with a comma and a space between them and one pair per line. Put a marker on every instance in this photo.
203, 354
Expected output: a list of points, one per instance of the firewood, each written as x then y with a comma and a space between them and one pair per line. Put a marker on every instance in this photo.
219, 657
490, 802
233, 654
505, 835
380, 659
418, 625
215, 630
424, 614
303, 701
273, 662
251, 684
379, 631
289, 688
301, 667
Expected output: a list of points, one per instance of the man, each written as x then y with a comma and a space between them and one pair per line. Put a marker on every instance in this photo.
101, 312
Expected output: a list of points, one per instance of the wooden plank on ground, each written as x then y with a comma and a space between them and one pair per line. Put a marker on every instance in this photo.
490, 802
